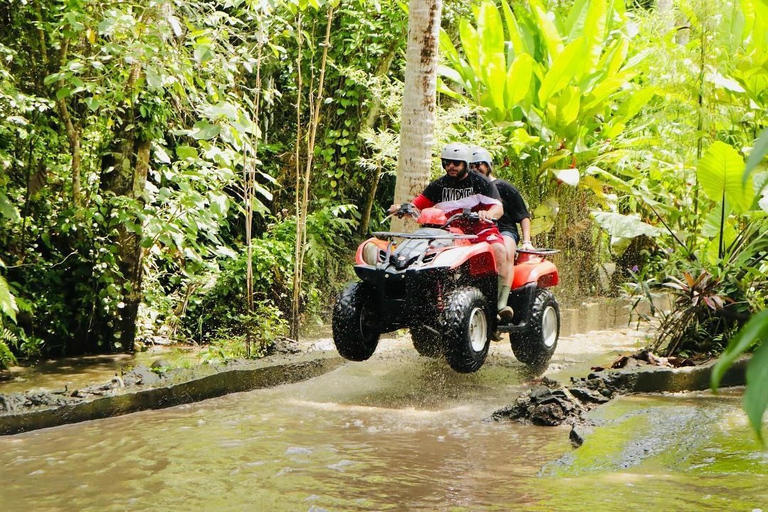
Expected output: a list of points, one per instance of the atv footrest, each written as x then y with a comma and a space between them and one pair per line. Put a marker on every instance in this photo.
512, 328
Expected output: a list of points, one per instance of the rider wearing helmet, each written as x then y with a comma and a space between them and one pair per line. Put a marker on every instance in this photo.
515, 210
462, 188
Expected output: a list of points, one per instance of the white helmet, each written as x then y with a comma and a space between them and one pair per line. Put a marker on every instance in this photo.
456, 151
481, 155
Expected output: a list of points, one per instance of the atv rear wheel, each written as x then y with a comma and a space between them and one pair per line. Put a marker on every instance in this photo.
537, 343
426, 342
354, 331
466, 329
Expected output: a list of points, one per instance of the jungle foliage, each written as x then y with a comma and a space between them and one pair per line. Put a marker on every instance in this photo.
145, 146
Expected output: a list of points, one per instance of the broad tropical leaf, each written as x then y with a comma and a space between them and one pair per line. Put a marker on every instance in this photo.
624, 226
720, 174
514, 31
548, 29
594, 33
519, 80
756, 396
566, 66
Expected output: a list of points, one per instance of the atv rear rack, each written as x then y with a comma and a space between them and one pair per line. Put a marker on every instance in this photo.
422, 236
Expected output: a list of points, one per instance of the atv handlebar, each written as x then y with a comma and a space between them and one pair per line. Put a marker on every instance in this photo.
405, 209
468, 215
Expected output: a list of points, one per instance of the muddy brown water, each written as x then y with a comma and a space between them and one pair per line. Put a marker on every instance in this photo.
398, 432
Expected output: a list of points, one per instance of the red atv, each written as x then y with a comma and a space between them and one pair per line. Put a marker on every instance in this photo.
444, 288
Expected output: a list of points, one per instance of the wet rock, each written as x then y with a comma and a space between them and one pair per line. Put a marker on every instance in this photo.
284, 346
549, 414
579, 432
159, 363
141, 375
589, 395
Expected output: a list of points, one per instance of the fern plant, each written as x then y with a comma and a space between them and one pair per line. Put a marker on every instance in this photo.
8, 309
6, 356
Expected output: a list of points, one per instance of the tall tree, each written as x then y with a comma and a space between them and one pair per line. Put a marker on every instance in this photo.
417, 124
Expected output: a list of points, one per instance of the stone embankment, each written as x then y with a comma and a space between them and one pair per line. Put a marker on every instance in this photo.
153, 388
550, 404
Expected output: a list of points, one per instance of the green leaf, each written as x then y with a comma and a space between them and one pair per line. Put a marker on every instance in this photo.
93, 103
154, 81
594, 33
203, 53
7, 300
492, 59
447, 48
624, 226
635, 102
471, 44
574, 24
518, 81
755, 330
205, 130
759, 150
568, 106
185, 152
719, 173
565, 67
7, 209
548, 30
756, 395
513, 30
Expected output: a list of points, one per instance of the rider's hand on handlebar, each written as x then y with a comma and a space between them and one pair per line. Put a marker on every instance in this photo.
527, 245
485, 216
393, 208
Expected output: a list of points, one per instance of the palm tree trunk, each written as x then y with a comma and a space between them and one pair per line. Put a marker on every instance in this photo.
417, 123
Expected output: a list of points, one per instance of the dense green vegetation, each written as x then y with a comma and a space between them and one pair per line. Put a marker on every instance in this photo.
153, 151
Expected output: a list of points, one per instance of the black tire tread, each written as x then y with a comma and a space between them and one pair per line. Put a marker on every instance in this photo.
349, 341
458, 305
528, 346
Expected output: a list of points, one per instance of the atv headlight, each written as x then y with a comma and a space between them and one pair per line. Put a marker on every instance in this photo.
370, 253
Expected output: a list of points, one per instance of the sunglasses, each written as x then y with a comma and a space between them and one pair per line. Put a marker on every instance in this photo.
446, 162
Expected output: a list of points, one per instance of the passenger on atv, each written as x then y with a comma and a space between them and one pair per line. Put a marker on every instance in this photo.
461, 189
515, 210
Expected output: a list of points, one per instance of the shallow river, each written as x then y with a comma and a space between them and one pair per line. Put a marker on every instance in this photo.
398, 432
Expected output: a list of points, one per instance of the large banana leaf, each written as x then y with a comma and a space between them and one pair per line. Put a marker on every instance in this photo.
594, 33
574, 23
548, 29
514, 31
492, 58
519, 79
566, 66
720, 175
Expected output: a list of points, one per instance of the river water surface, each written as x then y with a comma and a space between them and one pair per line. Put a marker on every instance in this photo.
398, 432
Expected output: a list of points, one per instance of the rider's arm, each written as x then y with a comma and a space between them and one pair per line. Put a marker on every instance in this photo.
422, 202
493, 213
525, 226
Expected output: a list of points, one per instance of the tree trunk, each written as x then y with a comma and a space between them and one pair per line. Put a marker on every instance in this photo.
419, 106
370, 122
128, 156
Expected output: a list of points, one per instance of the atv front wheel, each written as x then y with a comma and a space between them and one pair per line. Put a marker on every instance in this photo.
354, 331
426, 342
466, 329
537, 343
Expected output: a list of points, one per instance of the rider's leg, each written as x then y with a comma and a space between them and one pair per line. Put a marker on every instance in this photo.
511, 246
500, 252
504, 286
